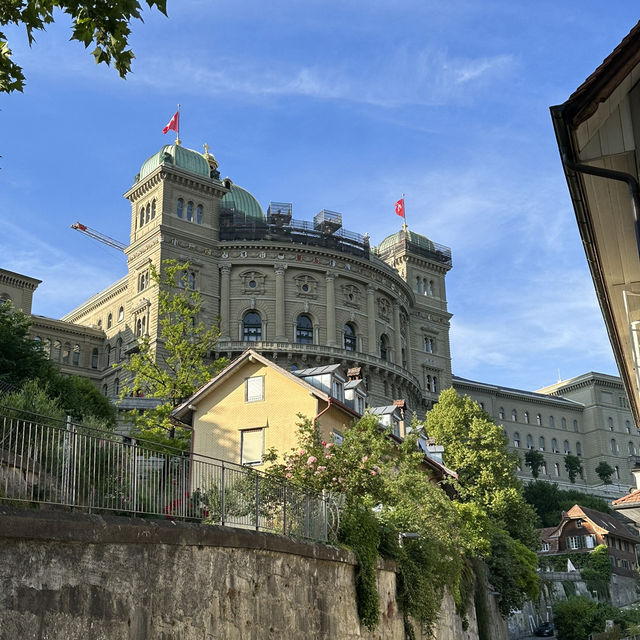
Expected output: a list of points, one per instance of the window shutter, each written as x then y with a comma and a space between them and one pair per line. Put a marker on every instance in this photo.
255, 389
252, 446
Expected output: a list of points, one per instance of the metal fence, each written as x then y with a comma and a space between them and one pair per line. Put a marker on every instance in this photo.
75, 466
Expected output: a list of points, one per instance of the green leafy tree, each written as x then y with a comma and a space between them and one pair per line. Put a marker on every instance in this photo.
105, 25
22, 360
534, 460
178, 363
573, 465
549, 502
21, 357
604, 471
383, 491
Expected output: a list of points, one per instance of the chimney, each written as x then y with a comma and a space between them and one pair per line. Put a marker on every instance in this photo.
355, 373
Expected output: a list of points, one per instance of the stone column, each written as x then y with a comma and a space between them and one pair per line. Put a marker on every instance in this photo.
331, 310
398, 336
371, 318
225, 293
280, 332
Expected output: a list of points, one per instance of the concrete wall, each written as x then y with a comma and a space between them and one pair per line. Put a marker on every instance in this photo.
73, 576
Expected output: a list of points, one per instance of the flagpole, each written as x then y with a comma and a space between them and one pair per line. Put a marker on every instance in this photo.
404, 218
178, 129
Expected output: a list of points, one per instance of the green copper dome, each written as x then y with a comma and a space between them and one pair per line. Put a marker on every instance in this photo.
174, 154
239, 200
400, 236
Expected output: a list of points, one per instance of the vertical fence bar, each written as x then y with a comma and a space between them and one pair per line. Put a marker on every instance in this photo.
134, 476
223, 505
284, 510
257, 502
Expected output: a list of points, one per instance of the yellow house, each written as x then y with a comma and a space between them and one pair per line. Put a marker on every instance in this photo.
253, 404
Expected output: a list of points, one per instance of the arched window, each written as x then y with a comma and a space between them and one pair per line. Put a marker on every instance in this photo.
116, 387
627, 426
566, 446
304, 330
529, 441
563, 422
610, 423
180, 207
120, 314
55, 353
514, 416
526, 417
141, 219
417, 284
556, 470
384, 346
66, 353
108, 355
153, 208
578, 449
541, 443
147, 216
501, 413
189, 211
76, 355
616, 471
430, 287
575, 426
94, 358
349, 337
191, 280
614, 446
434, 385
118, 349
554, 445
539, 420
109, 320
516, 439
543, 469
199, 214
46, 347
632, 449
252, 327
552, 422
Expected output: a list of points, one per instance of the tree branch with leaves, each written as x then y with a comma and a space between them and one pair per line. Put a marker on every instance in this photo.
178, 362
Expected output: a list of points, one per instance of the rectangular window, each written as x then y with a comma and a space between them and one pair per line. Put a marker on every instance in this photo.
545, 546
255, 389
573, 542
251, 446
395, 428
337, 438
337, 390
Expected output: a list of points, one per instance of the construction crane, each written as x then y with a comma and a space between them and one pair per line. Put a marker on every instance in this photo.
100, 237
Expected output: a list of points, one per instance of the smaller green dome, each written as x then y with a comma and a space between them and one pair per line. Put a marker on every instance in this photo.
180, 157
239, 200
410, 236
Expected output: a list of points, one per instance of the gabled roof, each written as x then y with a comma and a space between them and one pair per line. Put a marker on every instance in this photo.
630, 499
607, 524
384, 411
355, 384
252, 356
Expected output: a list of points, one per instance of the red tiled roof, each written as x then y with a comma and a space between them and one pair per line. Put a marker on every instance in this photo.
630, 498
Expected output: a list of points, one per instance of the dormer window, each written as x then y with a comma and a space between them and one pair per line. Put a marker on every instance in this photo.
337, 389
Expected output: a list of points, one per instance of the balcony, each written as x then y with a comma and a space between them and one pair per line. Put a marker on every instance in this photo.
337, 354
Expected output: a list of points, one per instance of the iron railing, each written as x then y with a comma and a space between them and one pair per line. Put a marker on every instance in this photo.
44, 461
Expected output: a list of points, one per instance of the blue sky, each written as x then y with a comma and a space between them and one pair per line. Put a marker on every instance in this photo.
338, 105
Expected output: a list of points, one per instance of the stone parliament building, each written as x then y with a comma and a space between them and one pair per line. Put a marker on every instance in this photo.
310, 293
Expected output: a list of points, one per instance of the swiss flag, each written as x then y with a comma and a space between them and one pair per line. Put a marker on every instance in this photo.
173, 123
400, 208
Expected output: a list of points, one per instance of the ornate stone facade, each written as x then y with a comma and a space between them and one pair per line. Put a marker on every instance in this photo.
302, 293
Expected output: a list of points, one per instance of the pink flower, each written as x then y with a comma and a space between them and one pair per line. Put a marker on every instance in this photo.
302, 452
328, 445
377, 469
288, 475
311, 460
322, 468
324, 443
328, 456
340, 480
365, 458
372, 472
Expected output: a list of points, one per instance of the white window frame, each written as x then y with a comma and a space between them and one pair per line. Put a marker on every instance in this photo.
251, 395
